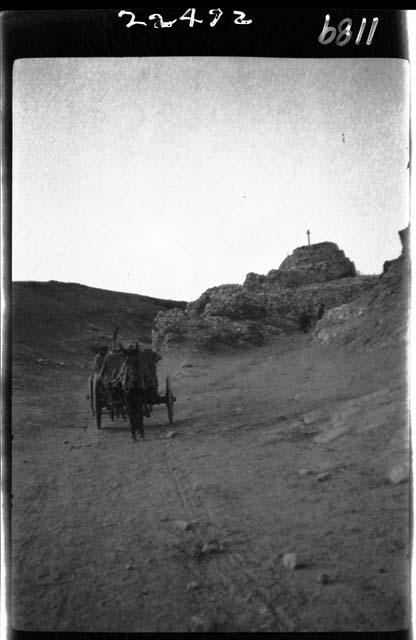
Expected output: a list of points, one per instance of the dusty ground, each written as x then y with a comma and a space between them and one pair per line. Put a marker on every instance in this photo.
96, 546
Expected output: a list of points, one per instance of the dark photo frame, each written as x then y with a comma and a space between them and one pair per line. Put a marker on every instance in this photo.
257, 287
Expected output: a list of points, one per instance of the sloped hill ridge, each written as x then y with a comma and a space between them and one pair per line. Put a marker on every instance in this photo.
264, 305
379, 315
60, 320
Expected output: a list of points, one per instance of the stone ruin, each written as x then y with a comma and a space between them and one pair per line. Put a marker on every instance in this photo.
264, 305
318, 263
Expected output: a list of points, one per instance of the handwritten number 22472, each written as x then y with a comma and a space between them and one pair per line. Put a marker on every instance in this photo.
189, 15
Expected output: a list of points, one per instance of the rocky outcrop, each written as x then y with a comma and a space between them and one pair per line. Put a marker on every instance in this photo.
318, 263
175, 328
264, 305
378, 315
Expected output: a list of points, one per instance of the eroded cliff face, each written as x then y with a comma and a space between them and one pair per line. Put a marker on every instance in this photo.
379, 315
264, 305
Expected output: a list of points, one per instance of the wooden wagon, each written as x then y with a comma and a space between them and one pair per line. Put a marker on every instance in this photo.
106, 392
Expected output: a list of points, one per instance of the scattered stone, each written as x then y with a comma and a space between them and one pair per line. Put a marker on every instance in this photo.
60, 363
327, 466
66, 441
333, 434
130, 566
237, 411
183, 525
199, 624
164, 519
399, 473
274, 437
197, 486
312, 416
304, 472
171, 434
191, 586
197, 550
291, 561
323, 578
212, 546
186, 364
321, 477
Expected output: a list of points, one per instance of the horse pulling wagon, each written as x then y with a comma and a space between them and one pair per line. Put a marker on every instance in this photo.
124, 383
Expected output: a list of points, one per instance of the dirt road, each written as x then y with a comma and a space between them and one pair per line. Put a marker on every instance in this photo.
281, 449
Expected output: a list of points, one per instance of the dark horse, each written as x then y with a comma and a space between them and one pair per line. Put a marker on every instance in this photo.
139, 384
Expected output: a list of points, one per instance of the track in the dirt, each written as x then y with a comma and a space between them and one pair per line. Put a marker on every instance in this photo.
230, 568
95, 541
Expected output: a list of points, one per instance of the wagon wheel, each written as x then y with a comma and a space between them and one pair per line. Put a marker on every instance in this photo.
97, 404
170, 399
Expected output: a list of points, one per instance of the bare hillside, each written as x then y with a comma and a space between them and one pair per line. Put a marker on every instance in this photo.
58, 322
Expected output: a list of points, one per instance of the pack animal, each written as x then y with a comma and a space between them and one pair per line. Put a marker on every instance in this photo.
138, 379
124, 381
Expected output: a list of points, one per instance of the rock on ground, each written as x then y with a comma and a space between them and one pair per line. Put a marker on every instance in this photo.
399, 473
291, 561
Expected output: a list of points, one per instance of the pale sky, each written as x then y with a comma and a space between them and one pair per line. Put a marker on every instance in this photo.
166, 176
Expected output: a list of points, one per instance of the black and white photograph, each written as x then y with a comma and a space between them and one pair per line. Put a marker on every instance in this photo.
209, 316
